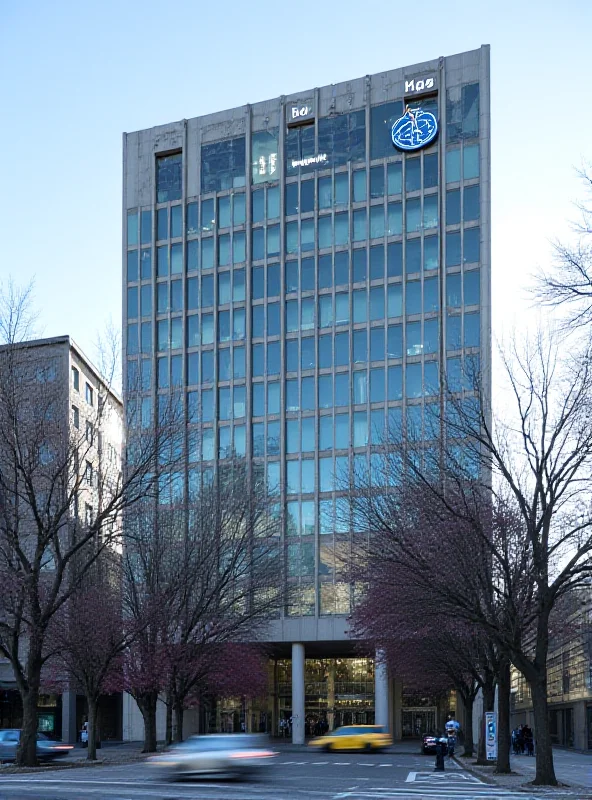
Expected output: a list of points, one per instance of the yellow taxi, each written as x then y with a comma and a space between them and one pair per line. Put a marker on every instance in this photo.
353, 737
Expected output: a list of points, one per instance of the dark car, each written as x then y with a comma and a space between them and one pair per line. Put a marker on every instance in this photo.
47, 749
428, 744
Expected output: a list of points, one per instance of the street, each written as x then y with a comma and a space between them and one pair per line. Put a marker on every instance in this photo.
347, 776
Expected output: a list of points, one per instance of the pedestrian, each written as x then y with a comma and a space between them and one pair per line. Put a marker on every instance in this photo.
528, 740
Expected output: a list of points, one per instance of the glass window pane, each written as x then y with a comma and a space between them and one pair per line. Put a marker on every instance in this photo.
395, 219
472, 240
472, 282
472, 330
413, 215
453, 207
470, 161
430, 252
376, 221
431, 299
325, 191
273, 202
430, 170
453, 166
412, 174
359, 225
413, 255
453, 337
395, 383
341, 229
162, 224
430, 336
452, 249
395, 341
239, 209
307, 196
377, 181
162, 261
359, 182
258, 205
414, 341
377, 303
394, 259
471, 208
325, 231
132, 228
430, 211
395, 300
413, 387
394, 177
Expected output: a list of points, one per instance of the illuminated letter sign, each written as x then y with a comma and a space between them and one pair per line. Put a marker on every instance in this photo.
417, 86
297, 113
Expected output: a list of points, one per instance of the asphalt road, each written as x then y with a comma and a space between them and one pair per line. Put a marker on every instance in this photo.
294, 776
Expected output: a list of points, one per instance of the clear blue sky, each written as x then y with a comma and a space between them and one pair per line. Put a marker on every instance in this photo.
74, 75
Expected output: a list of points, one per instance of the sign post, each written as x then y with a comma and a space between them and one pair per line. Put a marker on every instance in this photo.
491, 735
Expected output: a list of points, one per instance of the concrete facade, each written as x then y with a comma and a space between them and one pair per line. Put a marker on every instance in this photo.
250, 198
74, 387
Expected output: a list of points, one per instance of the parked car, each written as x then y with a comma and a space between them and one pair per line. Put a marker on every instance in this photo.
428, 744
354, 737
238, 755
47, 749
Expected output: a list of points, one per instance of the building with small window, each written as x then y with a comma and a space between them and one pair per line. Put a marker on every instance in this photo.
64, 383
305, 272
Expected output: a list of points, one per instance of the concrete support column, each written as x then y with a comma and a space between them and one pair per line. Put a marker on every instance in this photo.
297, 693
331, 695
381, 691
69, 727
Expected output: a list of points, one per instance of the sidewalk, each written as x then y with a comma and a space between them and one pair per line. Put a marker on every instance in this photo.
572, 769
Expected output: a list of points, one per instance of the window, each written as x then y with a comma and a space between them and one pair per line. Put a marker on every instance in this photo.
223, 165
89, 431
75, 379
88, 473
88, 514
462, 112
264, 156
89, 394
382, 118
75, 417
169, 178
342, 138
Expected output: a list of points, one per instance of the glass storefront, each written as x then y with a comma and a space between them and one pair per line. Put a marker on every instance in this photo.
338, 691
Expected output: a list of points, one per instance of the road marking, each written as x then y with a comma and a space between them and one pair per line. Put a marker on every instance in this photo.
318, 763
342, 763
365, 764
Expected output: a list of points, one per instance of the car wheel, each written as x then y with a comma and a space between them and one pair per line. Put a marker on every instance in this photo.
367, 748
329, 748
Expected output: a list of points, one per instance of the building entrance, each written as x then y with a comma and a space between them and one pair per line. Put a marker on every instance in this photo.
417, 721
338, 691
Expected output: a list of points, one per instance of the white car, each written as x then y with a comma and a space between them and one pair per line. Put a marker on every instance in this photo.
237, 755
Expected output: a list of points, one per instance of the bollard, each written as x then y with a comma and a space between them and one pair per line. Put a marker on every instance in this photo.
439, 756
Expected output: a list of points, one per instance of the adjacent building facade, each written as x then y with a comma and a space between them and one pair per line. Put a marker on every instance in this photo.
64, 382
306, 272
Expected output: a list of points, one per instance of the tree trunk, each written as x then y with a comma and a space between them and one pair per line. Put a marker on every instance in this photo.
469, 745
168, 737
545, 770
147, 705
179, 710
26, 753
488, 690
503, 718
93, 705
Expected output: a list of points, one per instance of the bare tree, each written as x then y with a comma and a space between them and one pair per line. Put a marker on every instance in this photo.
568, 285
62, 494
493, 519
214, 563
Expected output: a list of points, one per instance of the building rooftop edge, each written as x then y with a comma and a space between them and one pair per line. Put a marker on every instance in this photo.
298, 94
67, 339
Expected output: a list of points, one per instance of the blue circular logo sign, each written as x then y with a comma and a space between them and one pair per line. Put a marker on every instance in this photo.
415, 129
